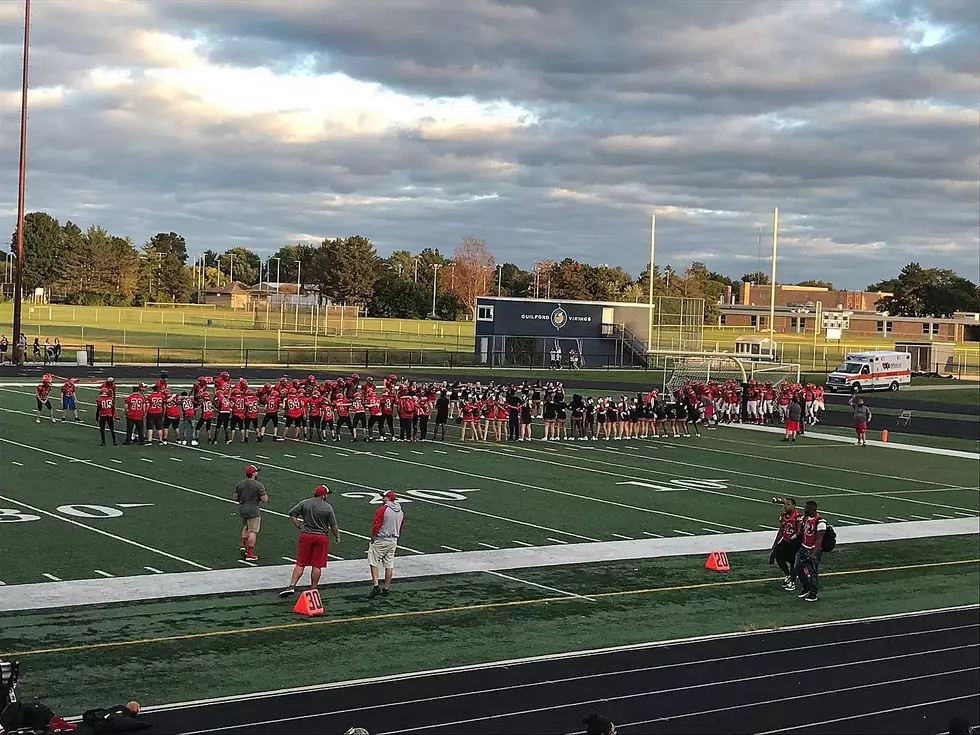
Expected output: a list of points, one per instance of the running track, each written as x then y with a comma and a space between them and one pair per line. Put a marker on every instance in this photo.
907, 674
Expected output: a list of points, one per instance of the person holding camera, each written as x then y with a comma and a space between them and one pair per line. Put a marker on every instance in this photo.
787, 542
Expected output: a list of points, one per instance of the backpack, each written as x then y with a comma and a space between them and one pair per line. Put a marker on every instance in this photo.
829, 542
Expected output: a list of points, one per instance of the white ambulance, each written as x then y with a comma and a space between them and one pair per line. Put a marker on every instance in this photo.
875, 370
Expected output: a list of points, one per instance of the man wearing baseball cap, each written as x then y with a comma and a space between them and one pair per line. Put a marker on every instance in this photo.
249, 494
385, 530
313, 517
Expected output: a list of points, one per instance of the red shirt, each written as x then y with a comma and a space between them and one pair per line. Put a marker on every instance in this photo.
173, 409
187, 405
374, 406
272, 403
68, 389
357, 405
224, 404
155, 402
789, 524
207, 408
251, 407
43, 390
423, 407
294, 407
238, 407
810, 528
406, 407
316, 406
106, 406
135, 406
342, 405
386, 405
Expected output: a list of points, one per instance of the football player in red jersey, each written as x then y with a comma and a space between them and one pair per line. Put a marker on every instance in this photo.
106, 412
43, 395
68, 402
135, 413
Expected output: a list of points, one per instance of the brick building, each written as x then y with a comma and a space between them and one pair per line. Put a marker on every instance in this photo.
803, 296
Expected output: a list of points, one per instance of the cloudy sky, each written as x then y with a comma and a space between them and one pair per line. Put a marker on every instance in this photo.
549, 128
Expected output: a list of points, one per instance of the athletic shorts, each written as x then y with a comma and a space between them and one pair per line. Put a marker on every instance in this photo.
270, 418
792, 425
311, 550
237, 422
251, 525
46, 404
860, 427
173, 423
154, 421
68, 403
381, 553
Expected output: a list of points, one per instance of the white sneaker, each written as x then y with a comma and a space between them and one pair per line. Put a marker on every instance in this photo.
194, 443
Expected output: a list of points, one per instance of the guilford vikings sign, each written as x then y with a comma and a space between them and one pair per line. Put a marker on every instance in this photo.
558, 317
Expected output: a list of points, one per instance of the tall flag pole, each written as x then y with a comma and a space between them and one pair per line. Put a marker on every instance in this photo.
772, 277
19, 348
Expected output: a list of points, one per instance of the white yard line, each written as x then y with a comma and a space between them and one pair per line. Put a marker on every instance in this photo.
103, 574
116, 461
335, 557
51, 577
439, 451
246, 563
893, 518
153, 569
521, 543
652, 534
683, 533
289, 559
540, 586
20, 464
450, 548
487, 546
556, 540
919, 518
711, 530
103, 533
48, 461
619, 535
318, 456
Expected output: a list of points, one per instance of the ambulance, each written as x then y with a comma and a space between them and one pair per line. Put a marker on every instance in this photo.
875, 370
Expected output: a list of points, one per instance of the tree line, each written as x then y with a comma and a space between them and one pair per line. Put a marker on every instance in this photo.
95, 267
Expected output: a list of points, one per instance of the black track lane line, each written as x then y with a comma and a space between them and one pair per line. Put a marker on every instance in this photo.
322, 703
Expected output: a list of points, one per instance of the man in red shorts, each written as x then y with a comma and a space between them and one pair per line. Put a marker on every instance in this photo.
314, 517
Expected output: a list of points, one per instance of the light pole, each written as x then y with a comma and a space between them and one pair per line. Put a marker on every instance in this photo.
435, 269
277, 270
500, 276
417, 268
21, 190
299, 266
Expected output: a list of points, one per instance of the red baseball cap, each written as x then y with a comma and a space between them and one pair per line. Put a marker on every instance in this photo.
390, 495
251, 470
321, 490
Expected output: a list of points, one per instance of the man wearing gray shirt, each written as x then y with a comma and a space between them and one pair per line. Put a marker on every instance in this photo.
793, 417
250, 494
862, 417
314, 517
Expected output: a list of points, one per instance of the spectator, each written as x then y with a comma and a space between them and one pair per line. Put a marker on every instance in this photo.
808, 557
596, 724
56, 349
3, 348
36, 350
385, 530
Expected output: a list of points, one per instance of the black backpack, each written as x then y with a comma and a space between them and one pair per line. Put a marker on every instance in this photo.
829, 542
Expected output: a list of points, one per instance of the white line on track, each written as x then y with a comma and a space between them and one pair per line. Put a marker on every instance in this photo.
103, 533
17, 463
488, 546
893, 518
335, 557
711, 530
619, 535
965, 515
116, 461
940, 515
261, 456
555, 540
463, 451
845, 522
414, 452
449, 548
521, 543
388, 451
439, 451
339, 454
540, 586
51, 577
291, 456
103, 574
174, 459
48, 461
318, 456
683, 533
153, 569
919, 518
764, 527
651, 533
144, 459
206, 459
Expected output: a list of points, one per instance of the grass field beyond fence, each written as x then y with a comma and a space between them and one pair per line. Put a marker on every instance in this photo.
207, 334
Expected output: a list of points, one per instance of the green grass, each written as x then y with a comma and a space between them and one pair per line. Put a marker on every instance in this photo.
507, 496
647, 600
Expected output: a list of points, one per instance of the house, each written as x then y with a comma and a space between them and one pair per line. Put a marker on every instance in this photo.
234, 296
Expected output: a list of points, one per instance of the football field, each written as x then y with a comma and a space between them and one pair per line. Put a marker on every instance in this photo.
123, 511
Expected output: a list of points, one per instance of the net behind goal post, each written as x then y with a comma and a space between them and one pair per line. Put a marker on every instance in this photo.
719, 367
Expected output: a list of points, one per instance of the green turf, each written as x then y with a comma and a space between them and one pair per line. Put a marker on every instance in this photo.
347, 643
512, 495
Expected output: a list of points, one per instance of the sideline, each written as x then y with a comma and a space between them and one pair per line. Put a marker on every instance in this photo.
458, 609
850, 440
52, 595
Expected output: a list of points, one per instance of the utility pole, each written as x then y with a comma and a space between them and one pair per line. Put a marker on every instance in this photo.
500, 276
417, 268
772, 278
435, 269
21, 191
299, 266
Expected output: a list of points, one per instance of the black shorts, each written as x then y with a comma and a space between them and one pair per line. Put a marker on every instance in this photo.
344, 421
172, 423
252, 422
223, 420
237, 422
270, 418
295, 421
786, 550
154, 421
359, 420
46, 404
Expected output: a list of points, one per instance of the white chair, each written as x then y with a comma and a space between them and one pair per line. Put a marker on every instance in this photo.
905, 418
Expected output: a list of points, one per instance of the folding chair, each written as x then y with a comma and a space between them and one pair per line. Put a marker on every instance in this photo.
905, 418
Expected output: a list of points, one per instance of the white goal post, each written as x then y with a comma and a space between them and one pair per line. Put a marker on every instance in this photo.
704, 367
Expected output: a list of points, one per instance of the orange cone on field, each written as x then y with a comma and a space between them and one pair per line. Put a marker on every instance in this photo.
884, 435
309, 604
717, 562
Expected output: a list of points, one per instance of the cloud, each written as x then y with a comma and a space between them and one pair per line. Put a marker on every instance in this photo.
547, 128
